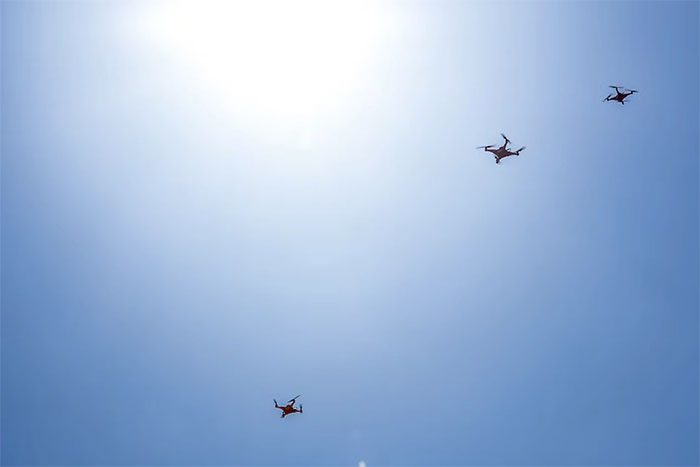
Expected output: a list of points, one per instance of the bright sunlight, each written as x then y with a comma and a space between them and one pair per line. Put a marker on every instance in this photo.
281, 59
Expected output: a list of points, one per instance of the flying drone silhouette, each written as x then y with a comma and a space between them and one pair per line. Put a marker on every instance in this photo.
502, 151
289, 408
499, 152
619, 96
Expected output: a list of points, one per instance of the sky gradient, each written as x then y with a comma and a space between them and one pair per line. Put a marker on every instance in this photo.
177, 251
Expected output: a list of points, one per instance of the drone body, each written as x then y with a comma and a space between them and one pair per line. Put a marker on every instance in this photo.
289, 408
619, 96
502, 151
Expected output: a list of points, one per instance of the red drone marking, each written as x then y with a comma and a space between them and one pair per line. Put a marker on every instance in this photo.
502, 151
289, 408
619, 96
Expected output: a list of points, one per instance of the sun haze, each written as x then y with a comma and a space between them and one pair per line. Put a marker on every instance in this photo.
210, 208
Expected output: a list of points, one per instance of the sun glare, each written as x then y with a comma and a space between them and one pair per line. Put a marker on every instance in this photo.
280, 58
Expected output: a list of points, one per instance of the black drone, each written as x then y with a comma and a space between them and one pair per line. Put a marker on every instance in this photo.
619, 96
502, 151
289, 408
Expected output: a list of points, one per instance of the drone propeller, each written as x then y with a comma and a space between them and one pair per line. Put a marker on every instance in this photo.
294, 399
632, 91
615, 87
520, 149
487, 146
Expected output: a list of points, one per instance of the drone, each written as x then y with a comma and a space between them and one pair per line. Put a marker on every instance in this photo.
501, 152
289, 408
619, 96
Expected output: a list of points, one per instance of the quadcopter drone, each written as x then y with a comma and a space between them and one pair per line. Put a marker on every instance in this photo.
502, 151
619, 96
289, 408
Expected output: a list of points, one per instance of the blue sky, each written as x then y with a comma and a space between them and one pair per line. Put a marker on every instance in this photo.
195, 223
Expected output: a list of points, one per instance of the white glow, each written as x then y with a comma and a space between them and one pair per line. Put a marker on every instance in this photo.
279, 58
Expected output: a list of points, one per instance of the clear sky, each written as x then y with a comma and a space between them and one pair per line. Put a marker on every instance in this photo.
205, 207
